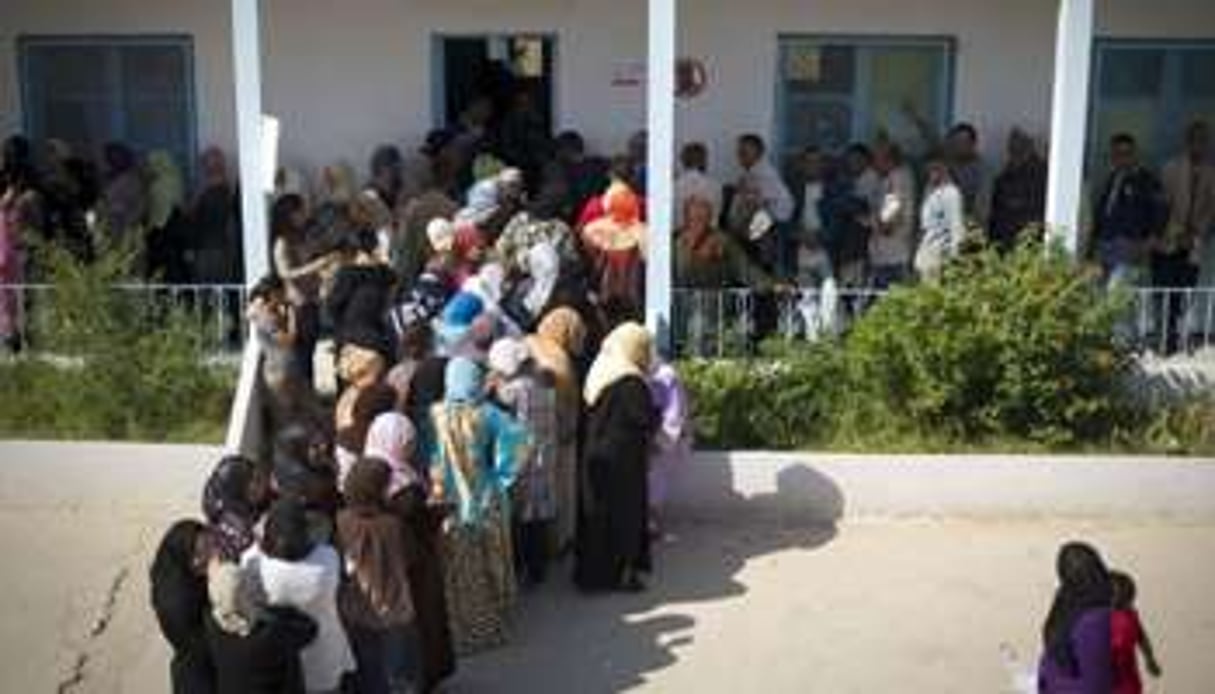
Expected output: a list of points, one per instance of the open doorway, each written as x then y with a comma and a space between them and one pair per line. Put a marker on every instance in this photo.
498, 68
506, 84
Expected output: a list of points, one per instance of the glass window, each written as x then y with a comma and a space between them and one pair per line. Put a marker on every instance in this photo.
836, 91
1152, 90
89, 91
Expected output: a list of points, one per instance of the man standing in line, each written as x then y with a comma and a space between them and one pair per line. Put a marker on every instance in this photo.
1189, 190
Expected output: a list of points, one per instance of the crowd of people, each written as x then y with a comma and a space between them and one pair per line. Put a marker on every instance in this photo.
457, 388
867, 216
451, 411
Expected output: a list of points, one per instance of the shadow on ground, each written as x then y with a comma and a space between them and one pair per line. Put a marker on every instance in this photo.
569, 642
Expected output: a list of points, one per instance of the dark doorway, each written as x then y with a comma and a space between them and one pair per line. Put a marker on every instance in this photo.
496, 67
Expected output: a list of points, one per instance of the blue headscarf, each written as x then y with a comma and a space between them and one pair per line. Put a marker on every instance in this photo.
456, 320
465, 381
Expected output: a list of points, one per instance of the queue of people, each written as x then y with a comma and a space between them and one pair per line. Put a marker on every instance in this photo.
449, 420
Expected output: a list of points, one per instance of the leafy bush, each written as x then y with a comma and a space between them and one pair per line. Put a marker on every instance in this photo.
782, 403
1018, 346
115, 365
1013, 353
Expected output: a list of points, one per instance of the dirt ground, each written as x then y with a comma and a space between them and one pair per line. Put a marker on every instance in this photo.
870, 607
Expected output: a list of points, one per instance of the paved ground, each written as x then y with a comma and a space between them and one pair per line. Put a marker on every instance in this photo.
765, 606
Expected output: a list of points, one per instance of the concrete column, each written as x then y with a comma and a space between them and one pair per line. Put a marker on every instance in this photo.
1069, 122
660, 164
244, 426
246, 50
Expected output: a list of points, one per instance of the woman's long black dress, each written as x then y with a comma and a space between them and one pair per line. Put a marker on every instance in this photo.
613, 513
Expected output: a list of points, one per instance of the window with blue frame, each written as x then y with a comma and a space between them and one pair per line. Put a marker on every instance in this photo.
833, 91
88, 91
1152, 90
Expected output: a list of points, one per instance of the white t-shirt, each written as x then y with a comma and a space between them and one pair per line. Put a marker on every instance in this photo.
310, 586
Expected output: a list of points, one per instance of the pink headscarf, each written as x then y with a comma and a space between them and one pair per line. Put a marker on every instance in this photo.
392, 438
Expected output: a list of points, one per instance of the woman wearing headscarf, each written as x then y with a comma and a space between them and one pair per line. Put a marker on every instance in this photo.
413, 246
234, 498
361, 296
529, 395
365, 397
256, 648
393, 439
295, 571
613, 546
166, 195
179, 598
473, 466
616, 243
1076, 638
558, 341
375, 599
454, 330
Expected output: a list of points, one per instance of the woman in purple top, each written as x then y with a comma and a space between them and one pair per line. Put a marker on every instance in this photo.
1076, 636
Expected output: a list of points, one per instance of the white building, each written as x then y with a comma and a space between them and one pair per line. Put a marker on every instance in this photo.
345, 76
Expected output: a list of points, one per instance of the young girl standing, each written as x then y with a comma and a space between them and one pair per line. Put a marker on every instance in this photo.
1128, 636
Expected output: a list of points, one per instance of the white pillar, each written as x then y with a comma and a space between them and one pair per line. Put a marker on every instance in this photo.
1069, 120
247, 55
660, 164
244, 426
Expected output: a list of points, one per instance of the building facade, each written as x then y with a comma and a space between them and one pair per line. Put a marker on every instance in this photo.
345, 76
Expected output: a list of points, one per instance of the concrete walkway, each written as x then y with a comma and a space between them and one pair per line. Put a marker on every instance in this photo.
766, 602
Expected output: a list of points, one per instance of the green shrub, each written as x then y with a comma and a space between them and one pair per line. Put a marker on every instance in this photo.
786, 400
1011, 353
1019, 346
113, 364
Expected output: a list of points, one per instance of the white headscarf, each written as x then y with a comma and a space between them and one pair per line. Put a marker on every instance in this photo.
544, 266
393, 439
508, 355
441, 233
627, 351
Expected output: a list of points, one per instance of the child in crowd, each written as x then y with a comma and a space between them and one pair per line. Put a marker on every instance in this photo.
672, 447
1129, 635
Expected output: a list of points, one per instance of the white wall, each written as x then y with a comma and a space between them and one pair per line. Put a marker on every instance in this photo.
345, 76
206, 20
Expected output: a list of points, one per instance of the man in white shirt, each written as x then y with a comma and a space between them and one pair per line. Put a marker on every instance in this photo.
694, 182
892, 242
761, 186
1189, 190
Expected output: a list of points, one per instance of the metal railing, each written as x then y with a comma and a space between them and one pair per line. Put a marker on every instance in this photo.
733, 322
217, 310
705, 323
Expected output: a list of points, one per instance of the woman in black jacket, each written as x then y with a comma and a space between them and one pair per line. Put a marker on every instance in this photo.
361, 296
179, 598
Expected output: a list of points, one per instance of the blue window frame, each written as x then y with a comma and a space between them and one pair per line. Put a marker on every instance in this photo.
90, 90
835, 90
1152, 90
